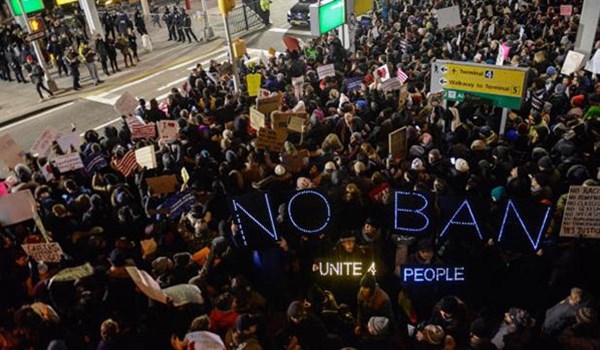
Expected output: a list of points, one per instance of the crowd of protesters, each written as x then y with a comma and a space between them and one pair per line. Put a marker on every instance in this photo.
270, 298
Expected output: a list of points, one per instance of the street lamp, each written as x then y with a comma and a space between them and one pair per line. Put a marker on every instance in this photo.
224, 7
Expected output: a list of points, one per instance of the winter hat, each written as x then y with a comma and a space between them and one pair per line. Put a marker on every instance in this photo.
586, 315
378, 325
433, 334
577, 100
545, 163
559, 88
359, 167
551, 70
417, 164
478, 145
498, 193
462, 165
279, 170
520, 317
296, 310
330, 166
538, 152
416, 151
244, 322
368, 281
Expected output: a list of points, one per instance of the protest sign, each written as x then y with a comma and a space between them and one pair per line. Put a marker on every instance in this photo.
126, 104
596, 62
146, 157
397, 143
16, 207
47, 172
143, 131
296, 121
257, 119
354, 83
168, 130
69, 140
46, 252
295, 162
566, 10
177, 204
10, 153
271, 140
297, 83
163, 184
383, 73
95, 162
146, 284
127, 165
266, 105
253, 84
572, 62
74, 273
291, 43
43, 143
448, 17
185, 176
279, 120
183, 294
68, 162
325, 71
581, 218
391, 85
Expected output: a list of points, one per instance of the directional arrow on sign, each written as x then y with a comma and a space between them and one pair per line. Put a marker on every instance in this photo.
443, 81
444, 69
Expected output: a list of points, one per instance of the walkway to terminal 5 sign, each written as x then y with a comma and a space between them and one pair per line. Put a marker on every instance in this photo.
326, 15
487, 84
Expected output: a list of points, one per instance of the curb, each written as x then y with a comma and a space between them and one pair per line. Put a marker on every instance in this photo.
29, 114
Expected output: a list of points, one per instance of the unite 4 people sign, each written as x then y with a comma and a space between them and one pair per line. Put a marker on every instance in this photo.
309, 212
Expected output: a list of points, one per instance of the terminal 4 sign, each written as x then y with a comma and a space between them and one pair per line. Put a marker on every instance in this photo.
326, 16
29, 6
496, 85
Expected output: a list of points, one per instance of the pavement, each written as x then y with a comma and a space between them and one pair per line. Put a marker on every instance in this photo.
20, 101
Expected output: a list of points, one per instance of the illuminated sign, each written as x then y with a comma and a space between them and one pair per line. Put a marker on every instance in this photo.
36, 25
326, 16
432, 274
343, 268
29, 6
259, 217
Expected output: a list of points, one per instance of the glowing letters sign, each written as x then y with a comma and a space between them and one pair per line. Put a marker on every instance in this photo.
342, 268
431, 274
308, 212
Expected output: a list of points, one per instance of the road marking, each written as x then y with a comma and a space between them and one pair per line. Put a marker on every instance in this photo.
186, 63
135, 82
290, 31
181, 80
103, 100
26, 120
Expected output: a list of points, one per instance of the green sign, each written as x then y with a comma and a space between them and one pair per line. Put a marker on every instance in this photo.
479, 83
329, 15
29, 6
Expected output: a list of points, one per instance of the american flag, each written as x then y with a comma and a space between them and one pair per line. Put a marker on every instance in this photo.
127, 165
402, 77
403, 45
140, 131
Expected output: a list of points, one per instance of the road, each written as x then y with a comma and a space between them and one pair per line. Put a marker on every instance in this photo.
93, 109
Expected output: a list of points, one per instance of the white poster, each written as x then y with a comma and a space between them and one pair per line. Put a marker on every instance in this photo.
69, 140
326, 71
572, 62
68, 162
448, 17
43, 143
126, 104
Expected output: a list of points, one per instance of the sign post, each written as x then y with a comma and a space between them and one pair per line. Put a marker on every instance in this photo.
326, 16
36, 46
498, 86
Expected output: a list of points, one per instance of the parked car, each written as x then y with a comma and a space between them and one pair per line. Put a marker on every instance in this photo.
299, 15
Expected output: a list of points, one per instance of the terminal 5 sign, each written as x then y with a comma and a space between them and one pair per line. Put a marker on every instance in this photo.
261, 216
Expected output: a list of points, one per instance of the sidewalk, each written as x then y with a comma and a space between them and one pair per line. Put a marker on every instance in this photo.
20, 101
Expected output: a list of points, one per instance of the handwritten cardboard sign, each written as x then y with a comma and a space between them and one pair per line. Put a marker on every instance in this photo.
397, 143
74, 273
10, 153
257, 119
295, 162
146, 157
126, 104
168, 130
163, 184
269, 139
43, 143
146, 284
581, 218
253, 84
46, 252
266, 105
279, 120
183, 294
296, 121
16, 207
68, 162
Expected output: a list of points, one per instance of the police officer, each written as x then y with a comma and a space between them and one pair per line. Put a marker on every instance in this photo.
140, 25
179, 25
187, 26
169, 22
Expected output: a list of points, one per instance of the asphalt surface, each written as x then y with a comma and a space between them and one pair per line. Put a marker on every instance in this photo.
92, 108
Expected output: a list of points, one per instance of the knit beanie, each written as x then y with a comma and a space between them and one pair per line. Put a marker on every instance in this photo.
462, 165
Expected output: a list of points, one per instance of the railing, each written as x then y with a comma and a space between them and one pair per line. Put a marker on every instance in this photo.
245, 17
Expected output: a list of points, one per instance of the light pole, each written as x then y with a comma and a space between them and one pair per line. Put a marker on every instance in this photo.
208, 31
38, 50
225, 6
